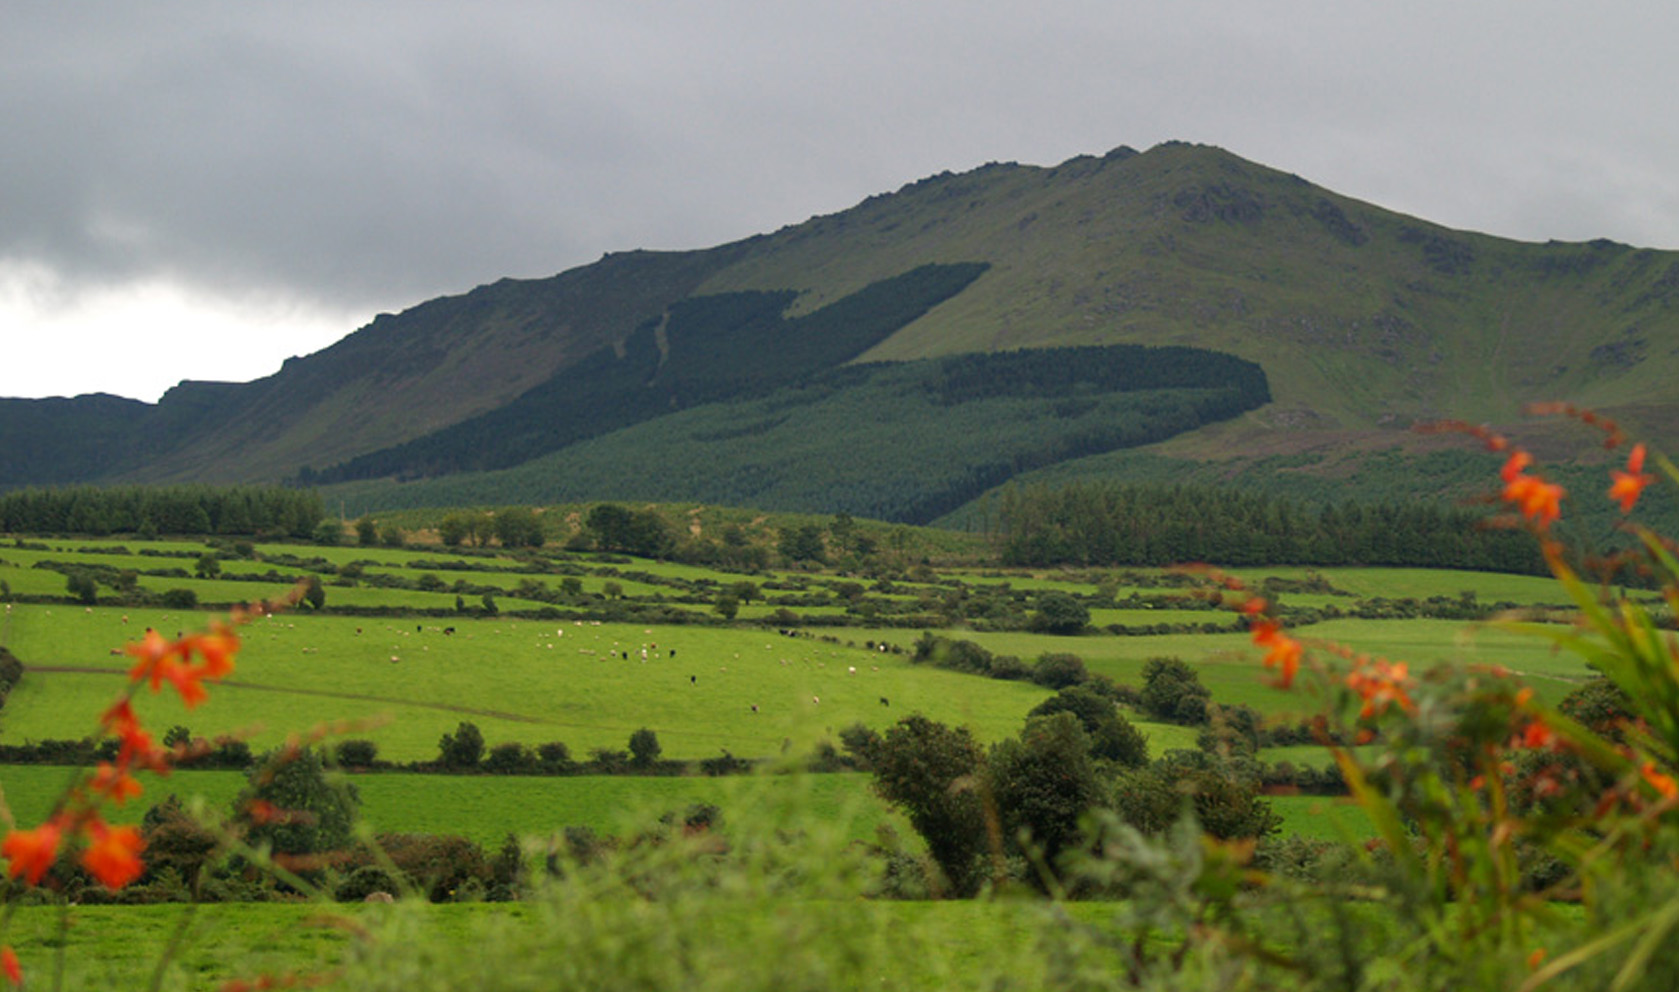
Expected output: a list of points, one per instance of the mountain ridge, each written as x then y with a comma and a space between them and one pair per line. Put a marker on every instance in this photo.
1364, 320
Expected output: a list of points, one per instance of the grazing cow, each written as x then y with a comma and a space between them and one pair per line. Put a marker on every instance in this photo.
885, 702
754, 707
448, 630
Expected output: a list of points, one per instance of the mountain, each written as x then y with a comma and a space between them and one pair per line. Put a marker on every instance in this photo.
730, 363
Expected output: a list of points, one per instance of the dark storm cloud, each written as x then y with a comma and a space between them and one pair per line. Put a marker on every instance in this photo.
375, 154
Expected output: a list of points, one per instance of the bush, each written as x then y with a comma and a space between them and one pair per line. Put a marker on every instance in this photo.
1172, 691
917, 767
176, 843
82, 588
610, 762
1057, 671
309, 812
1152, 799
1112, 737
365, 880
1060, 613
644, 748
510, 759
463, 749
724, 764
180, 599
555, 757
357, 753
443, 868
1043, 784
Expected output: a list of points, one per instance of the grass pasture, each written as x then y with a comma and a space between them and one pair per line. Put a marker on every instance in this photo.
920, 945
486, 808
564, 680
1228, 664
519, 680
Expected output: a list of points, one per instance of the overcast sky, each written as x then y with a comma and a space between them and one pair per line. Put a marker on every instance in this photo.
202, 189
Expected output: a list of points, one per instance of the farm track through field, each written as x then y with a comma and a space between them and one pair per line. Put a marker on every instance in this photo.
357, 696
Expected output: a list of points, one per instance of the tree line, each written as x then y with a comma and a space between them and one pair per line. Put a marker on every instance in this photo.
259, 511
1097, 523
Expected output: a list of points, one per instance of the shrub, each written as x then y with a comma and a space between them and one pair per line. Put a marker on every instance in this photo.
444, 868
555, 757
610, 762
1112, 737
510, 759
82, 588
463, 749
176, 843
357, 753
309, 812
180, 599
1060, 613
917, 767
1172, 691
1057, 671
364, 880
644, 748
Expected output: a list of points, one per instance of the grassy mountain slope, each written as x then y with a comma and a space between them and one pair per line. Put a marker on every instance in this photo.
1363, 320
901, 441
439, 363
718, 347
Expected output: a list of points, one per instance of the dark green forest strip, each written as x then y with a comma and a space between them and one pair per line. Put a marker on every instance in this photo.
1095, 523
707, 349
904, 442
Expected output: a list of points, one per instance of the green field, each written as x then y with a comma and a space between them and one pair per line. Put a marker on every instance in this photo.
404, 683
917, 945
486, 808
407, 683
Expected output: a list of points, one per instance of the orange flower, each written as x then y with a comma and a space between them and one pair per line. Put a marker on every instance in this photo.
218, 649
1630, 484
1381, 684
9, 964
1663, 784
1281, 651
1536, 736
187, 682
114, 855
262, 811
1518, 461
32, 852
117, 784
155, 655
1537, 500
120, 718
